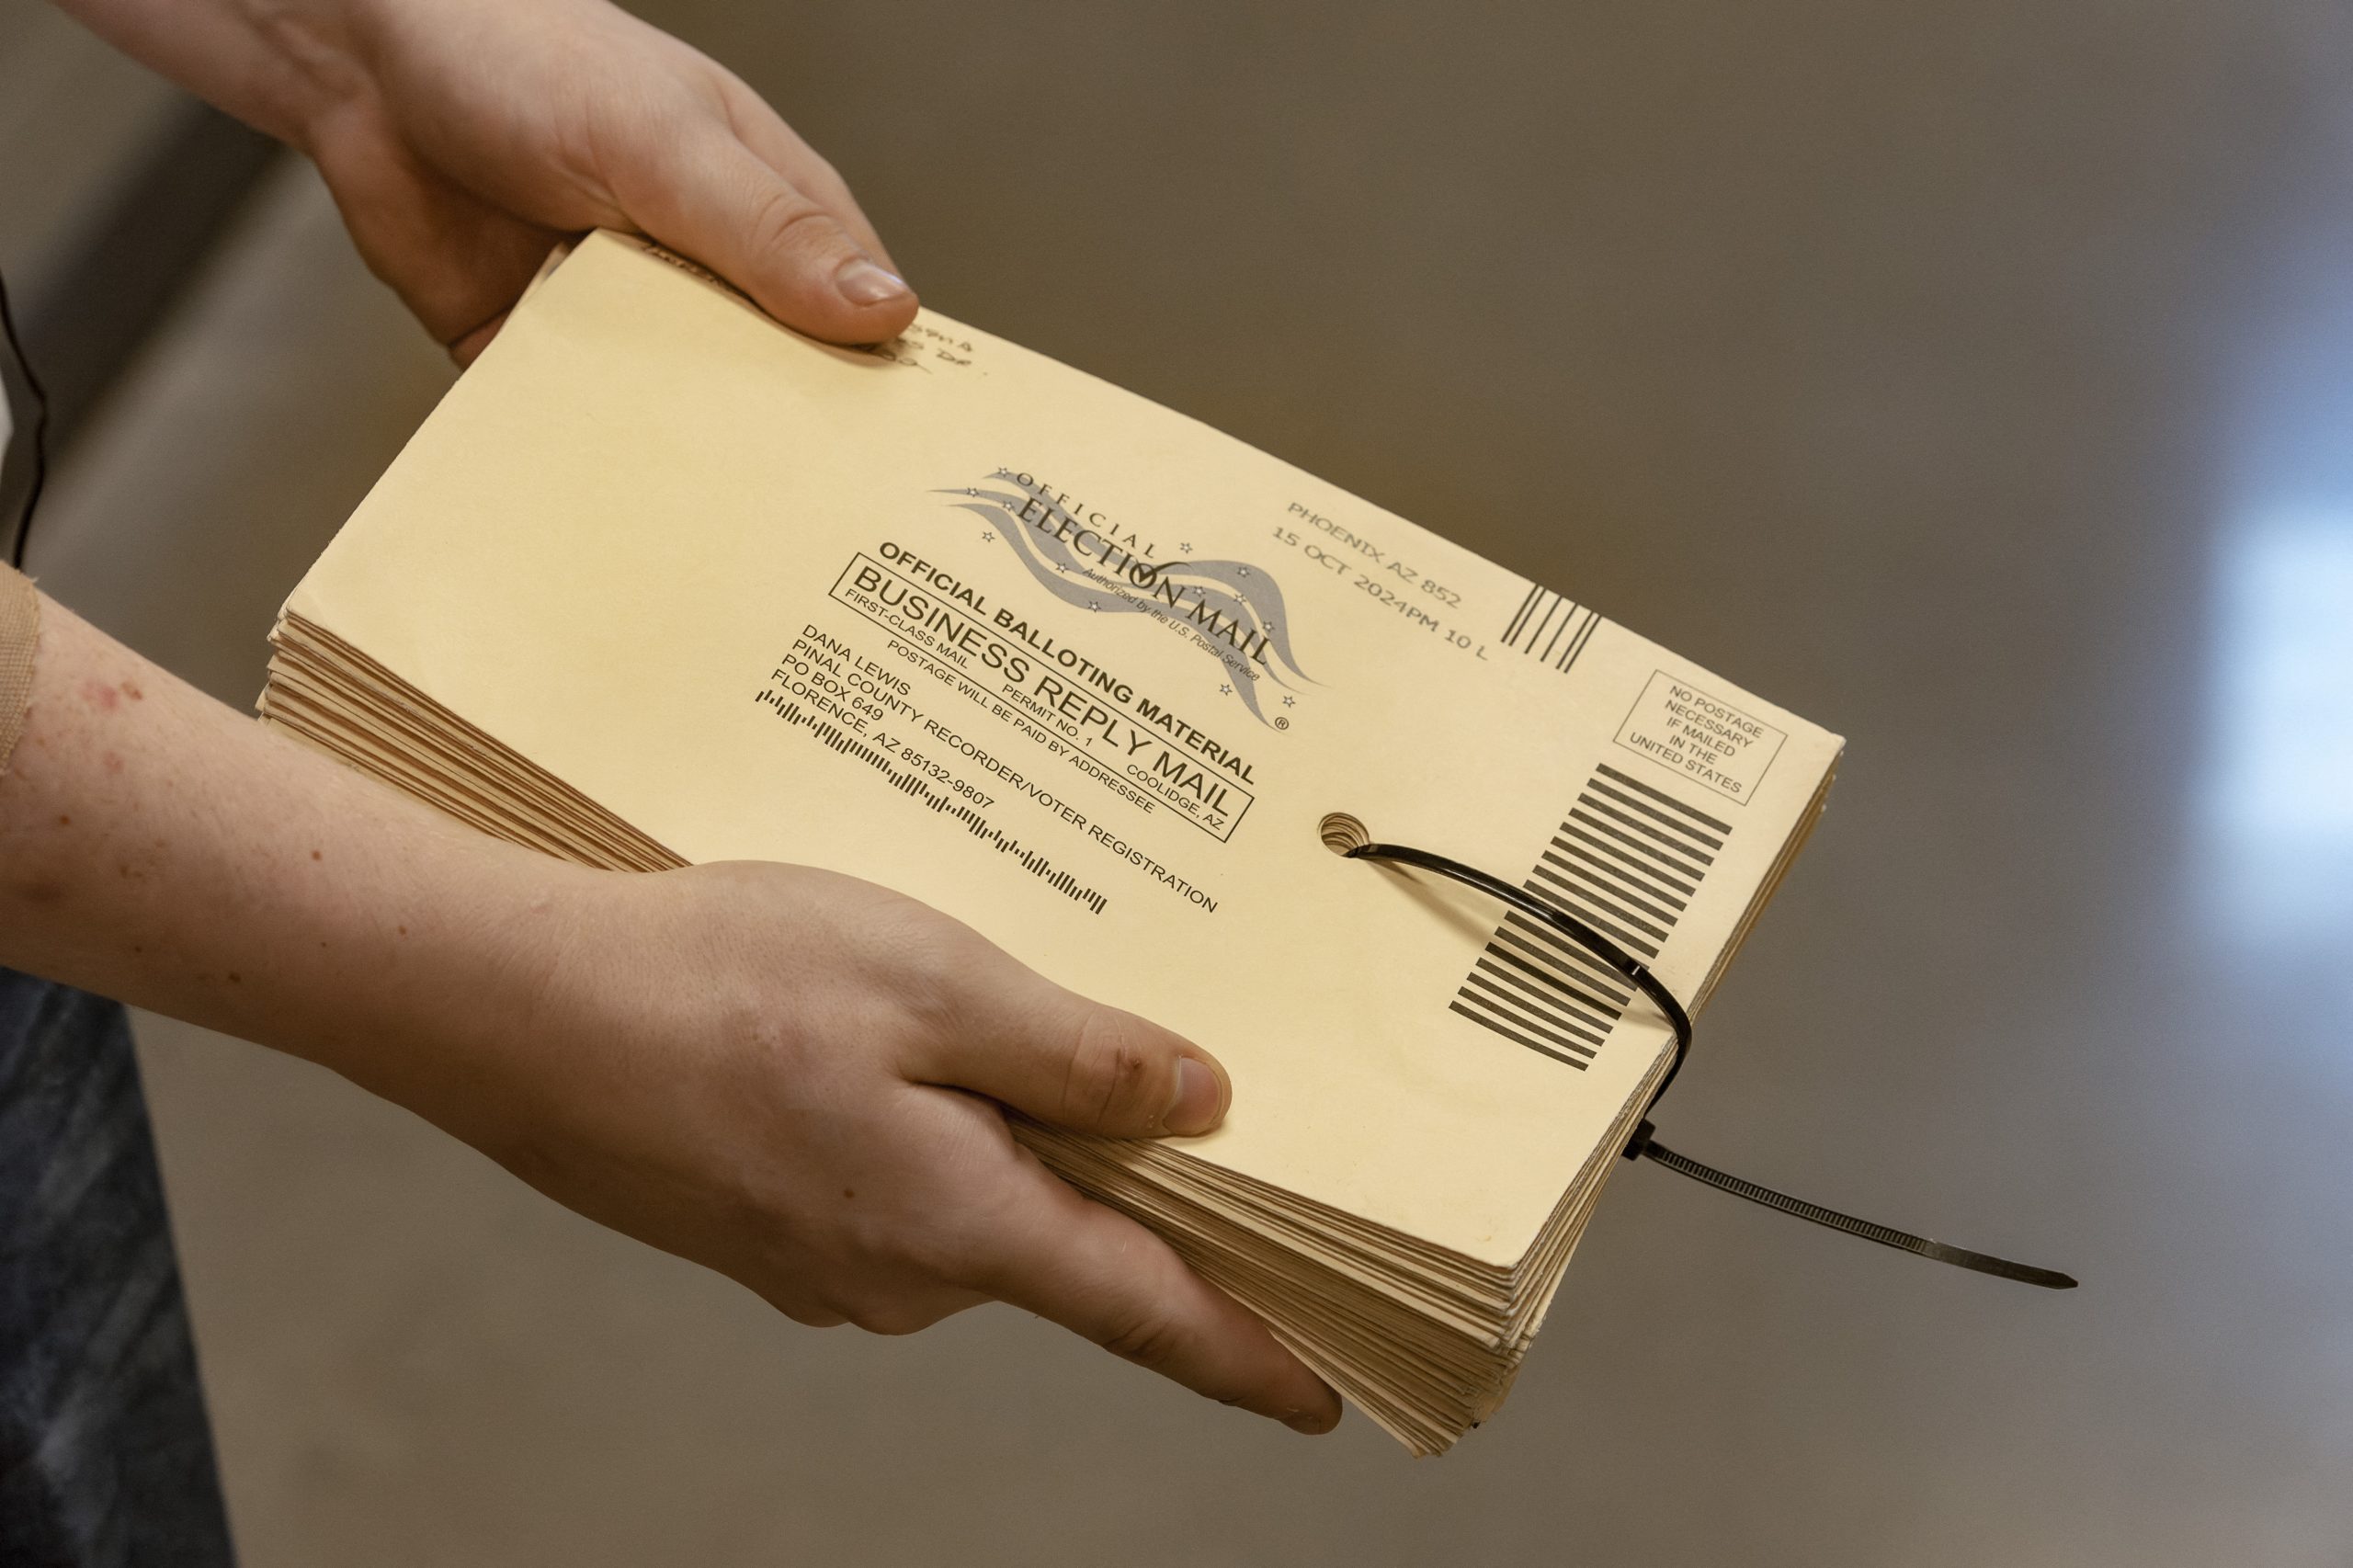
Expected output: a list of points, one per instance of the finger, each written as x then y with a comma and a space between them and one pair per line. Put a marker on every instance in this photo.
1011, 1034
780, 147
1103, 1276
466, 348
708, 195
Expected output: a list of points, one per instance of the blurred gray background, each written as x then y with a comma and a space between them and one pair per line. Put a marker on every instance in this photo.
1974, 379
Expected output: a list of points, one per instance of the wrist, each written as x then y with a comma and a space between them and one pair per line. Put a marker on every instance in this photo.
440, 993
307, 60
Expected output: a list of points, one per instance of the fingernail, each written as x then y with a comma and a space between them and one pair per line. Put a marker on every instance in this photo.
1313, 1426
1195, 1107
861, 283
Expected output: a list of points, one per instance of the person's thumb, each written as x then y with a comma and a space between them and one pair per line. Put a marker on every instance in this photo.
1059, 1057
708, 196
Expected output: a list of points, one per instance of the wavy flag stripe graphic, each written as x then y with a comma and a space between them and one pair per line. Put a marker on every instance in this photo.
1231, 611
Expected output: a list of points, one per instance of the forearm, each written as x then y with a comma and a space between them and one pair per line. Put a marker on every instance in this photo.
275, 64
157, 846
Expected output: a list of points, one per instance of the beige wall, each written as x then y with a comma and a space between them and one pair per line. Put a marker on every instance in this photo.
71, 111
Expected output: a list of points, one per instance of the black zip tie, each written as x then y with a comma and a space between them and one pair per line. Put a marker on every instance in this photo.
1642, 1145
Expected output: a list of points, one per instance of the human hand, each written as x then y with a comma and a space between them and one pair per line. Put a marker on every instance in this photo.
777, 1071
462, 140
774, 1071
478, 134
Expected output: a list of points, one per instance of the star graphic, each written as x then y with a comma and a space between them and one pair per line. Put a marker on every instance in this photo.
1225, 691
1244, 570
1185, 548
1291, 702
987, 538
1092, 604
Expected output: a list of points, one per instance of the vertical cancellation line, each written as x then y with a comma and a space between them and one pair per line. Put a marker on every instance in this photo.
1550, 627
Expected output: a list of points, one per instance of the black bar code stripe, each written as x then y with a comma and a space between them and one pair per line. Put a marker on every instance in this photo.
1560, 889
1590, 628
1515, 1036
1663, 797
1550, 627
1680, 829
1645, 879
1480, 992
1572, 956
1645, 858
1539, 942
1621, 887
1668, 841
1533, 985
1612, 886
1550, 610
1575, 892
1577, 644
1546, 652
1533, 621
1573, 1003
1536, 993
1512, 631
1591, 915
1569, 964
1584, 817
1620, 857
1569, 626
1567, 621
1529, 1013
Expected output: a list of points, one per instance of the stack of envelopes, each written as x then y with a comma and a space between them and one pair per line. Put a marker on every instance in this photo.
663, 582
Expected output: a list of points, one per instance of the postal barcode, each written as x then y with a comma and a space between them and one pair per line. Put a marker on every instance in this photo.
1627, 861
1549, 626
917, 787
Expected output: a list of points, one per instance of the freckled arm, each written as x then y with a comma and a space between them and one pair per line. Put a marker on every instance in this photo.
158, 846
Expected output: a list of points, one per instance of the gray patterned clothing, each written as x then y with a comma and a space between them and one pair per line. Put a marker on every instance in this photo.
106, 1456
